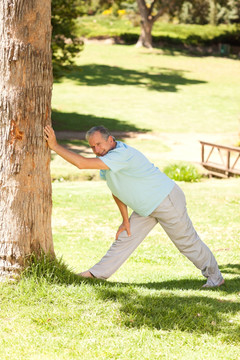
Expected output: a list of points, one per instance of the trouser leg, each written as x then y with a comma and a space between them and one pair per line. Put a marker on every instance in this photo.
173, 217
123, 247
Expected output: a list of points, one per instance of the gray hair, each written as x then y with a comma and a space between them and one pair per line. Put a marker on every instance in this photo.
103, 131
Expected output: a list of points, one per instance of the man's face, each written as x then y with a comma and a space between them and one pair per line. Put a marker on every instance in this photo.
99, 145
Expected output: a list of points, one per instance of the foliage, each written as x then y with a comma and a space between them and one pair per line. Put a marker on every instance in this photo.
186, 11
65, 43
89, 8
208, 11
191, 37
194, 12
182, 172
229, 12
93, 7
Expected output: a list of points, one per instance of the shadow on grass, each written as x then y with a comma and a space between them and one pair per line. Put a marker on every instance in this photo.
158, 79
231, 286
173, 311
166, 309
230, 269
63, 121
163, 307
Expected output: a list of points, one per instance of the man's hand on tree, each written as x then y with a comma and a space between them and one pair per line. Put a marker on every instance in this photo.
49, 135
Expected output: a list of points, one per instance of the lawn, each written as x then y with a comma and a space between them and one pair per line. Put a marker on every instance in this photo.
152, 308
130, 89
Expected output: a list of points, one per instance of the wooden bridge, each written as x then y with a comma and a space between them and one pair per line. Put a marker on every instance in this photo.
221, 161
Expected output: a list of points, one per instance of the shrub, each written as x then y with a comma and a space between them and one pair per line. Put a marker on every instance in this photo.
182, 172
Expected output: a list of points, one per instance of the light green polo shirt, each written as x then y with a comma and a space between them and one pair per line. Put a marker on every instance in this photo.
134, 180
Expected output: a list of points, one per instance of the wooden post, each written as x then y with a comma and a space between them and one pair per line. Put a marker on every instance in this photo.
228, 161
202, 153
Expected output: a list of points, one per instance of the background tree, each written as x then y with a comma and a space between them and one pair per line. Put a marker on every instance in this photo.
213, 12
25, 108
150, 11
227, 11
183, 11
65, 42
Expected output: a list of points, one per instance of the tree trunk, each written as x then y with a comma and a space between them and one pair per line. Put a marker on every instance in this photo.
145, 38
213, 12
25, 108
148, 19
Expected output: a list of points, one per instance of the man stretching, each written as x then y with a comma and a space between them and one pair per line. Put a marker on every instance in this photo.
154, 198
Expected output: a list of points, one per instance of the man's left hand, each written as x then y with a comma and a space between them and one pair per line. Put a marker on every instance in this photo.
125, 226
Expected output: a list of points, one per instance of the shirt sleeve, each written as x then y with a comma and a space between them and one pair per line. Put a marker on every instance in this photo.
103, 174
115, 159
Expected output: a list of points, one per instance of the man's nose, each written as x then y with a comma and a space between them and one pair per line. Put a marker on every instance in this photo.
97, 148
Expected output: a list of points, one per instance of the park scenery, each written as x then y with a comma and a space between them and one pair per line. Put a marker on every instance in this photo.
177, 88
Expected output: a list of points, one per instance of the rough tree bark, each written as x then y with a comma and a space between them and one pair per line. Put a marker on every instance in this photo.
148, 19
25, 108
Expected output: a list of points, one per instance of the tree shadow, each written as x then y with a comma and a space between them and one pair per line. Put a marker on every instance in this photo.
230, 269
160, 308
231, 285
168, 311
156, 78
63, 121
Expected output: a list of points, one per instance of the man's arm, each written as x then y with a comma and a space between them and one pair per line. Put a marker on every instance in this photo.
78, 160
125, 226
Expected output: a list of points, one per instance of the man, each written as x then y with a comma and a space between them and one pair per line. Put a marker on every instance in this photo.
153, 197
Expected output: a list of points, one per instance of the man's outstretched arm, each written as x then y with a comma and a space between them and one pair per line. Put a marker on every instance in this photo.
78, 160
125, 226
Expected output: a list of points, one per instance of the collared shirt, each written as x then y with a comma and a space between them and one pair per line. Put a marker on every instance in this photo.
134, 180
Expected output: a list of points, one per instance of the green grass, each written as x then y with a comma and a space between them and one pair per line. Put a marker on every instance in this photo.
129, 89
151, 308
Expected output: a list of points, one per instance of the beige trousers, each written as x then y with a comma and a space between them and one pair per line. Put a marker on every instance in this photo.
173, 217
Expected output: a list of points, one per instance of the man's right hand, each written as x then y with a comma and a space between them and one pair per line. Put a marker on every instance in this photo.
125, 226
49, 135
